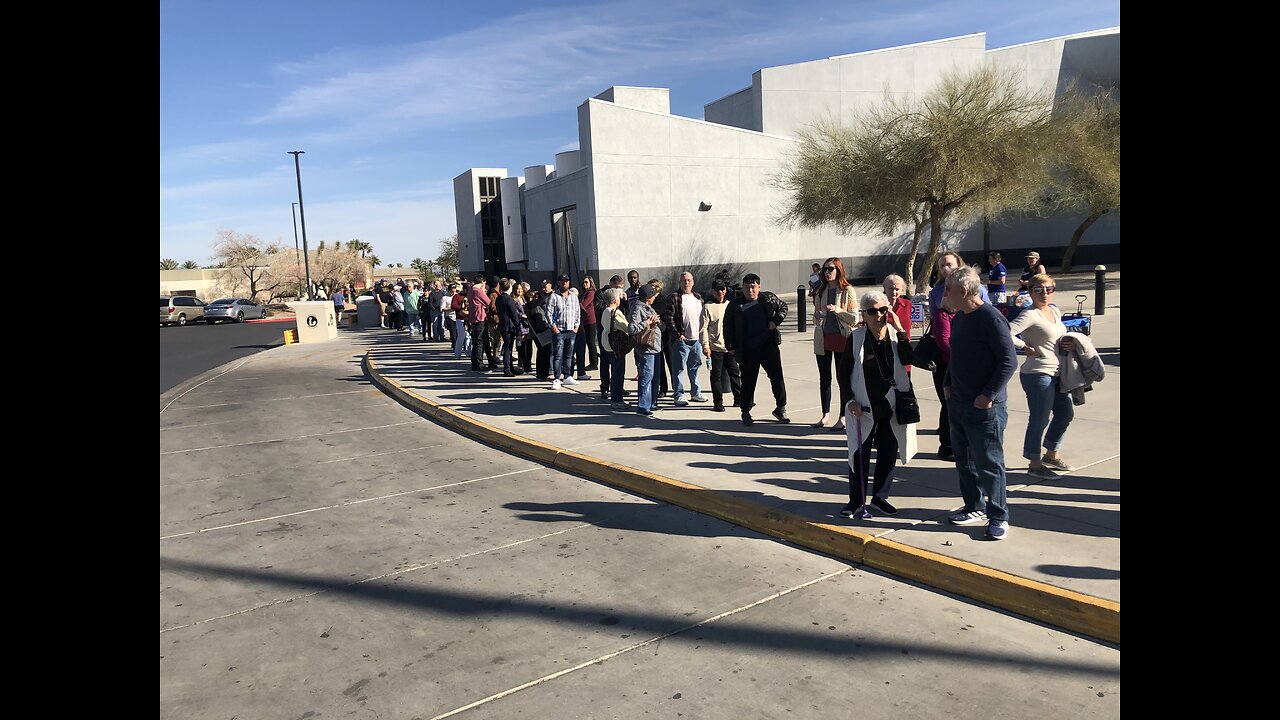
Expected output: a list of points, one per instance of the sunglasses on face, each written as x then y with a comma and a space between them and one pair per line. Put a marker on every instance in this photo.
828, 269
1044, 290
878, 310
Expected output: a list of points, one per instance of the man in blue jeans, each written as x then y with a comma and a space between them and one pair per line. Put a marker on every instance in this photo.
982, 362
564, 315
683, 322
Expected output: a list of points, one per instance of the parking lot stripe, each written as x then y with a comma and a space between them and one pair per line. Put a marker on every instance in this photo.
349, 503
295, 437
382, 577
650, 641
295, 467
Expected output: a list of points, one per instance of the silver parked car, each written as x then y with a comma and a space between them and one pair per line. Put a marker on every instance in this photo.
180, 309
233, 309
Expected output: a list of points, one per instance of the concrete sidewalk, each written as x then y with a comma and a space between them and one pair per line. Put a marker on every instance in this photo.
1061, 563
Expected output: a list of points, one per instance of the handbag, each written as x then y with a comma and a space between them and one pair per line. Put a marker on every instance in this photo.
927, 353
644, 338
905, 407
906, 410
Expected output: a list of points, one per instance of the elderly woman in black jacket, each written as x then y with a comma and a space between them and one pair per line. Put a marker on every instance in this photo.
874, 365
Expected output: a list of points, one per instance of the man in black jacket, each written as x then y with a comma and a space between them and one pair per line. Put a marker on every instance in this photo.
751, 333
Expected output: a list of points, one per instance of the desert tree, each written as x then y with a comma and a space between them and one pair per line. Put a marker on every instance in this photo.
1086, 177
978, 140
246, 265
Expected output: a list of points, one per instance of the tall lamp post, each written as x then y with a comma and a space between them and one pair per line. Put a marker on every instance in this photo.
306, 254
293, 208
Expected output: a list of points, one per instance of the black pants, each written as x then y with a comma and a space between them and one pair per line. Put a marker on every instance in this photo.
944, 422
480, 345
586, 344
886, 447
508, 344
663, 361
824, 382
606, 365
449, 325
544, 361
525, 348
725, 377
768, 357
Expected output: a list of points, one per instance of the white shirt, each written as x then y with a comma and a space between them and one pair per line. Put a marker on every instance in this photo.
691, 309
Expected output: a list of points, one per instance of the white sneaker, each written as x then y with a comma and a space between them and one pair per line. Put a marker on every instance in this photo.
570, 381
555, 384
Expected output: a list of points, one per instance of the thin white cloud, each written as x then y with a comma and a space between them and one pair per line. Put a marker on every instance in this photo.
540, 60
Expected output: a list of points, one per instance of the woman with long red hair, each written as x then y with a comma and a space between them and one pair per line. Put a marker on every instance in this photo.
834, 317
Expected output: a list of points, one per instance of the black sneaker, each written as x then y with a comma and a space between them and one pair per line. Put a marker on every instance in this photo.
718, 408
746, 417
884, 506
946, 454
781, 414
855, 511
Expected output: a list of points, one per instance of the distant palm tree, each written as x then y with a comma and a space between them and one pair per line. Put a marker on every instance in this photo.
374, 261
190, 265
167, 264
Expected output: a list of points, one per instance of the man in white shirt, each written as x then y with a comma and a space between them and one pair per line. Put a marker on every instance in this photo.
684, 323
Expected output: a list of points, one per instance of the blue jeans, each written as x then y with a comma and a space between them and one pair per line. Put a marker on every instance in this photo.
412, 320
562, 354
977, 438
462, 341
1042, 397
647, 393
686, 355
437, 325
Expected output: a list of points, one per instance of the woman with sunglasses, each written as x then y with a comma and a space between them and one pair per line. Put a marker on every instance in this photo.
874, 365
834, 317
1040, 327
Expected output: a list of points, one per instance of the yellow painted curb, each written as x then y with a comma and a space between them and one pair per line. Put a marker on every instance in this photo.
1052, 605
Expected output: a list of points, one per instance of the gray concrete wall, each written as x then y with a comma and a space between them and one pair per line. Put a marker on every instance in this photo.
466, 207
540, 202
794, 96
741, 109
652, 99
512, 193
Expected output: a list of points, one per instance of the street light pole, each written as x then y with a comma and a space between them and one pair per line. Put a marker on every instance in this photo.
306, 253
293, 207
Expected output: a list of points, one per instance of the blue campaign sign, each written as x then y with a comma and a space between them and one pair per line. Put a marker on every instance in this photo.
917, 312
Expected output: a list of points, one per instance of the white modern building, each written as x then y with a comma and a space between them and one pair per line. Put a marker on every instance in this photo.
659, 193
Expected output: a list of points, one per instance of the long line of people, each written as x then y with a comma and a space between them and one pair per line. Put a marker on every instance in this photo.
867, 340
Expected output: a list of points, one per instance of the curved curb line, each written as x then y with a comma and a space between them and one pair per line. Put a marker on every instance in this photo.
1085, 614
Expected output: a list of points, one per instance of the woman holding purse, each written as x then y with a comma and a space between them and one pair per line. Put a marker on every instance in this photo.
873, 372
834, 317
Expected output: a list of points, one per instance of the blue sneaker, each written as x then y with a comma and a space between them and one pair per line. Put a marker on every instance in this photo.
997, 530
967, 517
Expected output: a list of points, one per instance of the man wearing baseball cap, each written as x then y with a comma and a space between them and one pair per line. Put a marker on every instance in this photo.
1032, 268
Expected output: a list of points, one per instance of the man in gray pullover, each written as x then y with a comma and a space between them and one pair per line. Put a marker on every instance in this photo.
982, 362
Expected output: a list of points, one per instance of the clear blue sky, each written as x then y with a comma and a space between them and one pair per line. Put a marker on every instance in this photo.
392, 99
